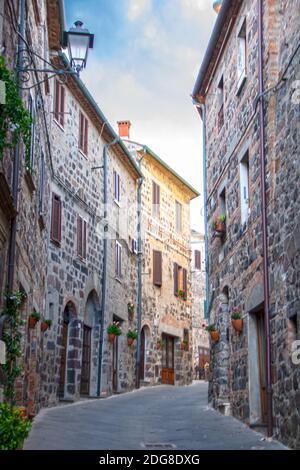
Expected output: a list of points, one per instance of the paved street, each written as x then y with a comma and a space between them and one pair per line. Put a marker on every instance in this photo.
149, 418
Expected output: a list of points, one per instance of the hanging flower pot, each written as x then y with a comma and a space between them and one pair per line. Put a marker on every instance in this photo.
113, 330
236, 320
45, 325
131, 337
219, 226
130, 308
159, 344
214, 333
33, 319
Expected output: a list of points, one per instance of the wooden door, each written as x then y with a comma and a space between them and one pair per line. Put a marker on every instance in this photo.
167, 376
142, 358
63, 358
86, 361
261, 345
115, 364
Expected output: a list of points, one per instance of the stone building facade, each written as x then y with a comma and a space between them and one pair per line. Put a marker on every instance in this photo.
166, 323
200, 339
30, 210
78, 358
227, 96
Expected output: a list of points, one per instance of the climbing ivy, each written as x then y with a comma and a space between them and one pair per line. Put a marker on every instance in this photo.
15, 120
12, 337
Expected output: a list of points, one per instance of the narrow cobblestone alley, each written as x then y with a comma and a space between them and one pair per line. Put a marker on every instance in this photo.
161, 417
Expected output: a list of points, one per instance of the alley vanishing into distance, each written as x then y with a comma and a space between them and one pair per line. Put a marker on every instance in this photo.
161, 417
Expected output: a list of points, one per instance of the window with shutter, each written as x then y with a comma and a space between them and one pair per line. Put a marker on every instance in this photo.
157, 268
178, 215
83, 133
42, 183
117, 187
56, 219
118, 260
184, 271
59, 102
81, 237
197, 259
31, 109
176, 287
155, 199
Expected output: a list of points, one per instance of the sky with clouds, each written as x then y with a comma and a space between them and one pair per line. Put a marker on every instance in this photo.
143, 67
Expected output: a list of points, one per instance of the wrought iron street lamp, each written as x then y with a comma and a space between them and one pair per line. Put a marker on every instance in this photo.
78, 40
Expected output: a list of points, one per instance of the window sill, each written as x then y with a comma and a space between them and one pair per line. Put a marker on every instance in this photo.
118, 279
55, 242
117, 202
59, 125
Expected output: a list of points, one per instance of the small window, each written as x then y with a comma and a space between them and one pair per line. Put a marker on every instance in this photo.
178, 216
180, 282
56, 219
197, 259
81, 237
117, 187
242, 56
83, 133
118, 260
186, 338
59, 102
221, 104
157, 268
155, 199
244, 188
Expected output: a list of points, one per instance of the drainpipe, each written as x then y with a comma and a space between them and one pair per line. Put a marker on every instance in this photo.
264, 218
16, 166
105, 253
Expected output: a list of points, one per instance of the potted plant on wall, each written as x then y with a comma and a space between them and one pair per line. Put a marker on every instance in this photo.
45, 325
184, 345
130, 308
33, 319
131, 337
219, 226
181, 293
214, 333
236, 319
159, 344
113, 330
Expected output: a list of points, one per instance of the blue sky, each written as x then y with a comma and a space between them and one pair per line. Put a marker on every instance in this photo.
143, 67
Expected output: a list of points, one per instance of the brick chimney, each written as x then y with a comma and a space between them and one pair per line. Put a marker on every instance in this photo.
124, 129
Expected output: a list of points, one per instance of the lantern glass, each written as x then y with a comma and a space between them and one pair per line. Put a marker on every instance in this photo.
79, 41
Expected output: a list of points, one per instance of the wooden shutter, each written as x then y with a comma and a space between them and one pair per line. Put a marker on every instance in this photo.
176, 279
157, 268
84, 240
56, 219
80, 130
185, 283
62, 105
79, 236
56, 100
86, 131
197, 259
155, 198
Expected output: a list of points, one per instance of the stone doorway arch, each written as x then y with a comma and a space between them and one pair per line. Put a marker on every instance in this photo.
90, 343
66, 376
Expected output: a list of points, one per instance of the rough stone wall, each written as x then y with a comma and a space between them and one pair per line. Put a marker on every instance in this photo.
235, 262
199, 335
31, 249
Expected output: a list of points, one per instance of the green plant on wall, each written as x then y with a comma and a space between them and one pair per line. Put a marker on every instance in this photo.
15, 120
12, 337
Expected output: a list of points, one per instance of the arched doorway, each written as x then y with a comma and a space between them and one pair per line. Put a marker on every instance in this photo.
68, 316
90, 330
145, 332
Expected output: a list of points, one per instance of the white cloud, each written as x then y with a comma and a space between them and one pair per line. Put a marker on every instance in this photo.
137, 8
